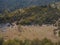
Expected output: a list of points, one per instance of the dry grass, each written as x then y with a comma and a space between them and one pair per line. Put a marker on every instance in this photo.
30, 32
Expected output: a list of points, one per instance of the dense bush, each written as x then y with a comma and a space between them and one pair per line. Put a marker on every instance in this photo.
28, 42
33, 15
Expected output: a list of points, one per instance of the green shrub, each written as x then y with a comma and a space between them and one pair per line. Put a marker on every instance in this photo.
28, 42
11, 42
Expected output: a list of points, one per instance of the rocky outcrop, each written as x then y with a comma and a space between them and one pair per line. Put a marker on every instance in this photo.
56, 5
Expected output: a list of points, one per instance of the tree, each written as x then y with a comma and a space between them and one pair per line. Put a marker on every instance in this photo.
1, 41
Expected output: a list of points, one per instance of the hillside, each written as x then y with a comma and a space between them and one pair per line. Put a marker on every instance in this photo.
30, 22
31, 16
